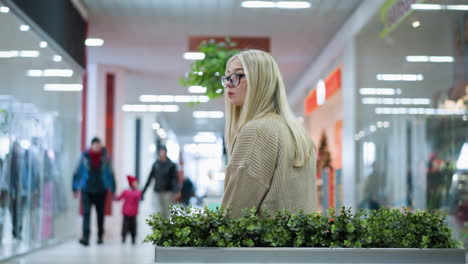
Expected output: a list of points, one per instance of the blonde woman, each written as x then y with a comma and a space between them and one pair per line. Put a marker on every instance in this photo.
271, 158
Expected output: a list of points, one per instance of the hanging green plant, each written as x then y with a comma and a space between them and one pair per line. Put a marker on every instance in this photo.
206, 72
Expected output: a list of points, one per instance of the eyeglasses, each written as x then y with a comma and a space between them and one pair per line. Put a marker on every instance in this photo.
233, 79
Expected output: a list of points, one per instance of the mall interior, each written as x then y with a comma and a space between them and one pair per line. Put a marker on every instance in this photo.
381, 88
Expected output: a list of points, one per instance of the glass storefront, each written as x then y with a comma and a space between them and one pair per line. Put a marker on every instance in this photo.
412, 121
40, 106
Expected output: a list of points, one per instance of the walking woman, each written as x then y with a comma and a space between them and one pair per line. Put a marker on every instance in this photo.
272, 159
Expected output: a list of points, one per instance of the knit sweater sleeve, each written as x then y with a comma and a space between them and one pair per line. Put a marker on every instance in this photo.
251, 167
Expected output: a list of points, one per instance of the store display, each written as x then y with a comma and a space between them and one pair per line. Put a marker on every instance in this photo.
31, 184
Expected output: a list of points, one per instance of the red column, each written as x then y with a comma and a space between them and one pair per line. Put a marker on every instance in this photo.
84, 98
110, 103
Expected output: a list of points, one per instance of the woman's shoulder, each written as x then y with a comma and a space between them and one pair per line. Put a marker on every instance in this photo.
266, 126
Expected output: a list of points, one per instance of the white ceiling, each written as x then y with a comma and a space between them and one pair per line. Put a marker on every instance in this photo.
148, 37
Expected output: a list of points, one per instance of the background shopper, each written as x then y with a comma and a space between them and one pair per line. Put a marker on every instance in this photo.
94, 178
131, 199
164, 173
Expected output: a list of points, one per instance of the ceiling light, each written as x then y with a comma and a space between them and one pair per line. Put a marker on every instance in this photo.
417, 58
441, 59
185, 98
9, 54
457, 7
395, 101
208, 114
63, 87
156, 126
377, 91
29, 53
34, 73
258, 4
173, 98
379, 124
372, 128
150, 108
418, 111
191, 99
94, 42
416, 24
430, 59
4, 9
194, 55
171, 108
157, 98
293, 4
24, 28
58, 73
57, 58
197, 89
134, 108
399, 77
427, 7
43, 44
203, 99
439, 7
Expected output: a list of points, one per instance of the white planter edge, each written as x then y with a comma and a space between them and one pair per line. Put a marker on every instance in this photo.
309, 255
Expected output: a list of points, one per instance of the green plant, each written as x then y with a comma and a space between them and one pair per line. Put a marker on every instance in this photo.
207, 72
383, 228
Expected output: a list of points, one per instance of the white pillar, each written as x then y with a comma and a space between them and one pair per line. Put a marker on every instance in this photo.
96, 113
349, 125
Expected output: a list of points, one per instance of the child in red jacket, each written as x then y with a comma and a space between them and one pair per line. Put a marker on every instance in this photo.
131, 199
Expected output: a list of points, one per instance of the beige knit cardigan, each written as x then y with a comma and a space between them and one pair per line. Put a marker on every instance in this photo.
260, 172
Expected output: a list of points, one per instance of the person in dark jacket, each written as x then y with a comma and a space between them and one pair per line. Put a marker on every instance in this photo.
164, 173
94, 178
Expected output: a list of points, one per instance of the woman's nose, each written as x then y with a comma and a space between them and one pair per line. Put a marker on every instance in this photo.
229, 85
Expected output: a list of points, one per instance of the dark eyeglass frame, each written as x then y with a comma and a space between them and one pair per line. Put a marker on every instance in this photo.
226, 79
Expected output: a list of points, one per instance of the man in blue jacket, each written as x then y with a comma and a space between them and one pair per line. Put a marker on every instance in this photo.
94, 178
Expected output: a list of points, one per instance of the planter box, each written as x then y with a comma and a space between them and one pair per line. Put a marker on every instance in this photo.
309, 255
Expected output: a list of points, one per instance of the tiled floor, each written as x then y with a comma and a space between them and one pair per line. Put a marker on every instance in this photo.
111, 252
73, 253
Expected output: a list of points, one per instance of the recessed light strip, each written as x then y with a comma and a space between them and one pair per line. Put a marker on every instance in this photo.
63, 87
50, 73
439, 7
420, 58
418, 111
194, 55
395, 101
197, 89
94, 42
4, 9
208, 114
22, 53
150, 108
174, 98
279, 4
400, 77
379, 91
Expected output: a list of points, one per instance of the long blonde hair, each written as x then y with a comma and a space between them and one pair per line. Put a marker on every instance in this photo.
265, 95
